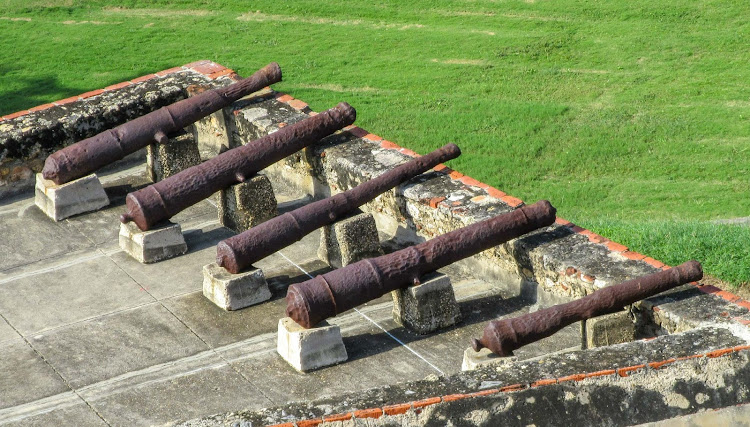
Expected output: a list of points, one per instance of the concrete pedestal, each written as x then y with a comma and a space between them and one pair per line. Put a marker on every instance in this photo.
234, 291
176, 155
426, 307
61, 201
162, 242
308, 349
484, 357
247, 204
349, 240
615, 328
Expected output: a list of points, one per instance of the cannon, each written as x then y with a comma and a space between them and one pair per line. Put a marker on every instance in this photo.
504, 336
239, 252
332, 293
86, 156
164, 199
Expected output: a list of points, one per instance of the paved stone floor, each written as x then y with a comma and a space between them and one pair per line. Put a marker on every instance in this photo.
89, 336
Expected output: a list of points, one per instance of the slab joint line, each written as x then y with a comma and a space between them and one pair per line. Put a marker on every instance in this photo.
372, 321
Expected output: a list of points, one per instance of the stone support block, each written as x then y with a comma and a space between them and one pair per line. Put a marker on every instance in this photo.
213, 133
162, 242
61, 201
484, 357
234, 291
308, 349
615, 328
176, 155
247, 204
350, 240
428, 306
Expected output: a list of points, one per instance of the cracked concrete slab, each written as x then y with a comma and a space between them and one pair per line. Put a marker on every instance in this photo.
28, 236
115, 344
208, 390
6, 331
77, 414
25, 375
71, 293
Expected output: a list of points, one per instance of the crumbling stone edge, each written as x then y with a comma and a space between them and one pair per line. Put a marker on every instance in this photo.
599, 380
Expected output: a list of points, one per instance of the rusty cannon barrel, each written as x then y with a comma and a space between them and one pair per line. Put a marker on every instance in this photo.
504, 336
332, 293
240, 251
88, 155
164, 199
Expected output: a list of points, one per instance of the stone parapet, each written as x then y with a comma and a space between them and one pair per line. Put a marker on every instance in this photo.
624, 384
563, 260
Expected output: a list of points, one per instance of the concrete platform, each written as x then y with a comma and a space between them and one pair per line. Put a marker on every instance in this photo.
93, 337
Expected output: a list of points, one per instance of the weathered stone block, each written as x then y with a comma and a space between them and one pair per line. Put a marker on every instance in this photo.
428, 306
247, 204
212, 135
484, 357
308, 349
162, 242
234, 291
615, 328
61, 201
176, 155
350, 240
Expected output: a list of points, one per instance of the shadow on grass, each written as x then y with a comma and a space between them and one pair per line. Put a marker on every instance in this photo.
29, 92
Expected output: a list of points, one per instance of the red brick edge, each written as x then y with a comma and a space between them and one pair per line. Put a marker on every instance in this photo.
515, 202
208, 68
418, 405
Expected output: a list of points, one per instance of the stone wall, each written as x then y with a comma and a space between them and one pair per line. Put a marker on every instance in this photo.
559, 262
624, 384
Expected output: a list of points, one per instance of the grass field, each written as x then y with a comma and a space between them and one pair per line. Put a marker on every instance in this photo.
631, 117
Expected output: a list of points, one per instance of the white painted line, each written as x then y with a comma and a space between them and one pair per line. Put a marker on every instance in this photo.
372, 321
92, 255
39, 407
17, 208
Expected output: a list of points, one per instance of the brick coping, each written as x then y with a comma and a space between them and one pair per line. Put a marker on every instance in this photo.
214, 70
418, 405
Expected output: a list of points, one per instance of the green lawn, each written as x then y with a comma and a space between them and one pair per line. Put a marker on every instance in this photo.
631, 117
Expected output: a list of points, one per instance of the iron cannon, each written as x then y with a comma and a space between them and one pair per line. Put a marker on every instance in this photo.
504, 336
239, 252
164, 199
86, 156
332, 293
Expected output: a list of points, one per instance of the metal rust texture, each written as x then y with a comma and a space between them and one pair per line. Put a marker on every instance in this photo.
88, 155
164, 199
240, 251
340, 290
502, 337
